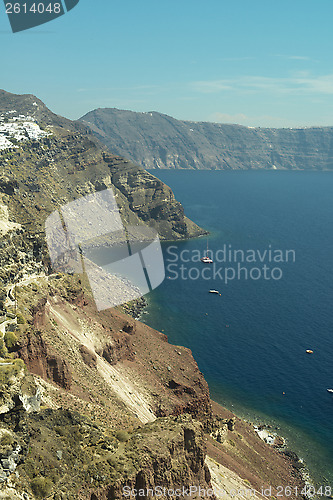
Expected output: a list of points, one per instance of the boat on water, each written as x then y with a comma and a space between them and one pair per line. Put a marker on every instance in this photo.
206, 259
309, 351
330, 390
214, 291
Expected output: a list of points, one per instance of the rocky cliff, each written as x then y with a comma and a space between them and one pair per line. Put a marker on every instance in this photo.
47, 160
94, 405
154, 140
122, 410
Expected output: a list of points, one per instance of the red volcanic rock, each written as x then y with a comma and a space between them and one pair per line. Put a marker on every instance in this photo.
118, 350
58, 371
38, 313
40, 360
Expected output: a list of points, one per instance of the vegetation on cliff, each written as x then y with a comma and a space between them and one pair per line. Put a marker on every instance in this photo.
38, 176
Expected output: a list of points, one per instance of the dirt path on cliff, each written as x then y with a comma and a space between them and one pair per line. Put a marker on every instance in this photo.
10, 299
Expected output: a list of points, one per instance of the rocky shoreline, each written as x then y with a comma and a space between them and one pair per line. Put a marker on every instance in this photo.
135, 308
266, 432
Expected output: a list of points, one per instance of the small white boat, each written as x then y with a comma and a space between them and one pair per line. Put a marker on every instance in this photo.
214, 291
329, 390
206, 259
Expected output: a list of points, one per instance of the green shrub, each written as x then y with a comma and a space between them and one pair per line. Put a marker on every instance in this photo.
19, 364
122, 436
6, 440
20, 319
10, 340
29, 467
10, 369
41, 486
3, 349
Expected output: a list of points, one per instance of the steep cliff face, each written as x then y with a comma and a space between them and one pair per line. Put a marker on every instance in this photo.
122, 409
40, 360
106, 380
151, 200
93, 402
105, 356
48, 160
154, 140
87, 461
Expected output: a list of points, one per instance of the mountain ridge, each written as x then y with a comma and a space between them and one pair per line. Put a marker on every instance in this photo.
155, 140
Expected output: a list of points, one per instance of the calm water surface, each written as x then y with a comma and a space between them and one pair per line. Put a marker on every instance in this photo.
257, 365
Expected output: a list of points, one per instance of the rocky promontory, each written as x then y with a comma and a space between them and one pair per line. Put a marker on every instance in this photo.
47, 161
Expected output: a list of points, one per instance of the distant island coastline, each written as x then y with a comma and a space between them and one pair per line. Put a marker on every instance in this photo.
157, 141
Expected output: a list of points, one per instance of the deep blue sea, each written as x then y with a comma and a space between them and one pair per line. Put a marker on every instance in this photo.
250, 342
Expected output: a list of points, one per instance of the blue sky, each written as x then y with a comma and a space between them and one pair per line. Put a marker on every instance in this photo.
256, 63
